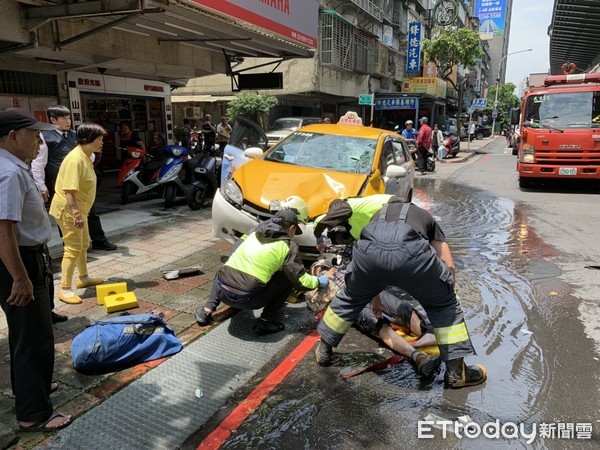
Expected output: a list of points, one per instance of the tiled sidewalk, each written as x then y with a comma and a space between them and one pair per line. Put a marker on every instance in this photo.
182, 241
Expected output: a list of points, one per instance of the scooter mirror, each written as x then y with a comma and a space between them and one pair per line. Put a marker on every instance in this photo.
253, 152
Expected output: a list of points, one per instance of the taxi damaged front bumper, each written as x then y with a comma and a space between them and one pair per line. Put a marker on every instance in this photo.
229, 222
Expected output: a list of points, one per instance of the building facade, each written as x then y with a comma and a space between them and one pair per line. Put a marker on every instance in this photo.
118, 60
365, 47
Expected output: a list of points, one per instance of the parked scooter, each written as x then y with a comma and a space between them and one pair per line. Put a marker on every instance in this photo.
204, 169
138, 174
172, 174
430, 164
452, 145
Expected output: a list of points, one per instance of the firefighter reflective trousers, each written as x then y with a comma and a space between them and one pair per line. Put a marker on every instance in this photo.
393, 254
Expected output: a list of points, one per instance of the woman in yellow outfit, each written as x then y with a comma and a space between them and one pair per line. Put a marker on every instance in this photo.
75, 191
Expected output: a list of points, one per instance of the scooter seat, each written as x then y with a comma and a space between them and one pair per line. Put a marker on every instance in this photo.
153, 165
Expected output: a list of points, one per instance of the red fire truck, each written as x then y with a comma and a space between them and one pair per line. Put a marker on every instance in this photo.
560, 129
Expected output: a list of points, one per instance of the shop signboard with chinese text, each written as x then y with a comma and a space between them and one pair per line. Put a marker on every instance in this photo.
396, 103
294, 19
413, 47
425, 85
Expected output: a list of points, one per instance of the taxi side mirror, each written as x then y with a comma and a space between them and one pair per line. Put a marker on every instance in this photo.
253, 152
394, 171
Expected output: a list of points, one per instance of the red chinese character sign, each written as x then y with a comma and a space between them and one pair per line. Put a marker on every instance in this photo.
350, 118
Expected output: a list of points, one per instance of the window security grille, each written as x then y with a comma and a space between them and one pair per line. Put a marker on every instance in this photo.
372, 7
345, 46
26, 83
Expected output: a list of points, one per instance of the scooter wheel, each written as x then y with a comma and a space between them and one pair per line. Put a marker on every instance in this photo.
126, 192
170, 192
196, 197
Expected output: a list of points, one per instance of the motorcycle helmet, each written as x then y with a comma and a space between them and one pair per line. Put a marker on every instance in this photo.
298, 205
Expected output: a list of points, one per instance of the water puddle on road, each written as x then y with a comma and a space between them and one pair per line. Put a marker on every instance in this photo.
495, 255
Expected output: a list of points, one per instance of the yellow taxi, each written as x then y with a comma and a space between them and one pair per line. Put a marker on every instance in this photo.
318, 163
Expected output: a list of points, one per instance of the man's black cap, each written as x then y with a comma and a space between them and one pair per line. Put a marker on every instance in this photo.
289, 217
16, 119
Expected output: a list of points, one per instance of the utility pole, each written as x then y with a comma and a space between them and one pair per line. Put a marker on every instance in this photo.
495, 114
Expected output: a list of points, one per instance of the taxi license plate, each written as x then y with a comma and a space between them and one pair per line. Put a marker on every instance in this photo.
567, 171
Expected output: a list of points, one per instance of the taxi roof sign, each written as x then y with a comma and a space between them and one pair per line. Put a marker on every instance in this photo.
350, 118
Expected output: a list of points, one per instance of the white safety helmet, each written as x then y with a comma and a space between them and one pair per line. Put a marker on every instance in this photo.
298, 205
408, 122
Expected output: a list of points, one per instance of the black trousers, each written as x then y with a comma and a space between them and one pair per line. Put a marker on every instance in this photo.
96, 232
422, 159
272, 298
31, 341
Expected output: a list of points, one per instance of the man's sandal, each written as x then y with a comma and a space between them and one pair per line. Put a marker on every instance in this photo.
42, 425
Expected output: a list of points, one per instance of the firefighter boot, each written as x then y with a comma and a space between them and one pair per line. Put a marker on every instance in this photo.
323, 353
459, 375
426, 364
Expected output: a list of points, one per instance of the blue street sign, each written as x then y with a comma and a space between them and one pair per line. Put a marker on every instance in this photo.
395, 103
413, 47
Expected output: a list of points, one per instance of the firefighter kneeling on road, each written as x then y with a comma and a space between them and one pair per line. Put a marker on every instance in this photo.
263, 269
401, 245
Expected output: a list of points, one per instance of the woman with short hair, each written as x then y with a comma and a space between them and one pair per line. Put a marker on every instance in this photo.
75, 192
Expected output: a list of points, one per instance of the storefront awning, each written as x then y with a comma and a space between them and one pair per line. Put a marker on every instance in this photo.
175, 40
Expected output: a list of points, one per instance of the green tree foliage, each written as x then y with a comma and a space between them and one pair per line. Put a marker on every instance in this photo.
453, 47
253, 105
507, 100
180, 134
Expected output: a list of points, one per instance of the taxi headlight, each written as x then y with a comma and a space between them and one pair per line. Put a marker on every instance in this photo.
233, 193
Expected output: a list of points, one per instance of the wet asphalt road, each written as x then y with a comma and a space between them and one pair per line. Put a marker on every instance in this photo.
525, 324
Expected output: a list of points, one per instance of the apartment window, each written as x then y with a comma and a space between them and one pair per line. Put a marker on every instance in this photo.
27, 83
344, 45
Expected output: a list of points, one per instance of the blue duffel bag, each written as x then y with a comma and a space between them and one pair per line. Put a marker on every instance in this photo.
119, 342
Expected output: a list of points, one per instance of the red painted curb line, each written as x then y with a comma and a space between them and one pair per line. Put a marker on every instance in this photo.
218, 437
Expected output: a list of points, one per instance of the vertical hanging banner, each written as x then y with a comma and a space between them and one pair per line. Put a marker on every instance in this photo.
413, 50
492, 16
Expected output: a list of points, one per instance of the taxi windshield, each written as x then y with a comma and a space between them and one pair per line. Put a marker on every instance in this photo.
563, 110
325, 151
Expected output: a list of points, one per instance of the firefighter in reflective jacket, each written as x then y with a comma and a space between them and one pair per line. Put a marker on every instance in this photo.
401, 245
352, 214
261, 272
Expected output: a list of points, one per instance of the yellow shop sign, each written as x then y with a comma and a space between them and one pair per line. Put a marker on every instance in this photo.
425, 85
